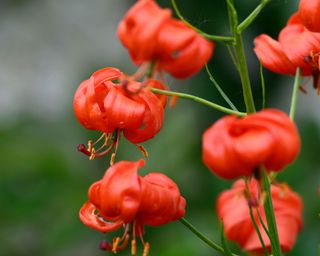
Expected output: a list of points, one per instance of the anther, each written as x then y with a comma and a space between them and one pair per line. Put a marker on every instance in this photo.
113, 159
146, 249
143, 150
83, 149
115, 243
133, 247
105, 245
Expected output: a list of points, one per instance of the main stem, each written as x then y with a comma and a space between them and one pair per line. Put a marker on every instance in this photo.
249, 102
241, 58
244, 74
271, 220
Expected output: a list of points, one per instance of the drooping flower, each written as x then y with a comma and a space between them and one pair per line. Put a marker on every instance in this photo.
127, 106
235, 147
309, 11
297, 47
151, 34
232, 208
123, 198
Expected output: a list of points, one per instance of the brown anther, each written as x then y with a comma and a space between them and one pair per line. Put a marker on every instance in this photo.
83, 149
143, 150
105, 245
146, 249
133, 247
173, 101
115, 243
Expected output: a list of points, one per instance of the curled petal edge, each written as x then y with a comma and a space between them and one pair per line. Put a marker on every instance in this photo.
90, 218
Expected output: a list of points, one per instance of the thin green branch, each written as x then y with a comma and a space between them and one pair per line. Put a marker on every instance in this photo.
224, 242
212, 244
224, 39
263, 87
294, 97
199, 100
224, 96
262, 223
271, 220
258, 231
252, 16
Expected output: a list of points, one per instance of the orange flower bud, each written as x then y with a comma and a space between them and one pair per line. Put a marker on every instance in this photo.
103, 105
234, 147
151, 34
123, 197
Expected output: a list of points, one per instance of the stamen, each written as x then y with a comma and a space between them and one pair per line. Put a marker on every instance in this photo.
133, 247
146, 249
115, 242
116, 144
173, 101
143, 150
124, 242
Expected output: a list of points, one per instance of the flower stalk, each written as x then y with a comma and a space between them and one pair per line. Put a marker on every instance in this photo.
199, 100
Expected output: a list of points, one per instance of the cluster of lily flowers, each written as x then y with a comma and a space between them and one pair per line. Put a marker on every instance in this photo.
234, 147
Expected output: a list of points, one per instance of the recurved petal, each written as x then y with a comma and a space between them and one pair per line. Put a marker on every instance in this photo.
218, 151
298, 43
161, 202
153, 119
272, 56
90, 218
309, 11
139, 28
121, 111
158, 85
106, 74
120, 191
183, 51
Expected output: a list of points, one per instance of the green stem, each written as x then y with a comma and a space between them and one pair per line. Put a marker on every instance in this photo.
224, 39
212, 244
222, 93
295, 94
263, 87
244, 24
271, 220
262, 223
199, 100
242, 62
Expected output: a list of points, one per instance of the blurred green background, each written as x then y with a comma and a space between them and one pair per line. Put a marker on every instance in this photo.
46, 49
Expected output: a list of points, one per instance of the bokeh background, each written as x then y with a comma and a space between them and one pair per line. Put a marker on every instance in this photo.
46, 49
